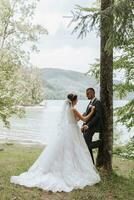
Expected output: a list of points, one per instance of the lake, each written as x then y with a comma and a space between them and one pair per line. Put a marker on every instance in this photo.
40, 123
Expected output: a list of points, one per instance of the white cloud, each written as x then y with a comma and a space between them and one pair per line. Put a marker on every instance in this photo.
50, 12
77, 59
51, 21
60, 48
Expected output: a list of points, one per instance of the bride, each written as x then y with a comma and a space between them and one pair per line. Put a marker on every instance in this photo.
65, 164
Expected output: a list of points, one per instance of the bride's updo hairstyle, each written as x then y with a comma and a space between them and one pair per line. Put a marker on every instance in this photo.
72, 97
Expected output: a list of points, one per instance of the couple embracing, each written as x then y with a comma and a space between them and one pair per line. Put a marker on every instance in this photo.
67, 163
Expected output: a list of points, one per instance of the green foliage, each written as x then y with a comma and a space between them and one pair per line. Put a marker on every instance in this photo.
9, 96
123, 22
18, 37
126, 151
16, 23
31, 86
95, 70
126, 114
87, 19
125, 63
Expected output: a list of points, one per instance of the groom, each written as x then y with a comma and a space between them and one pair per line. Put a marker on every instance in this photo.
95, 123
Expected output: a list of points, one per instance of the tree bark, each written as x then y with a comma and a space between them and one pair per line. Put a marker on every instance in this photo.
104, 157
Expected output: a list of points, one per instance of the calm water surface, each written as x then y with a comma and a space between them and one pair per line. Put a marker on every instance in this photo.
40, 122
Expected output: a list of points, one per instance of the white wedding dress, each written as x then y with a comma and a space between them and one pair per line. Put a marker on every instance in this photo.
65, 164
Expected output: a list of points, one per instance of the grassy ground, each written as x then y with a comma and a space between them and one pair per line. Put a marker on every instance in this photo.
15, 159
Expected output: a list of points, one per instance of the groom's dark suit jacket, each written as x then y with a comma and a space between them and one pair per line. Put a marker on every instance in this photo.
95, 123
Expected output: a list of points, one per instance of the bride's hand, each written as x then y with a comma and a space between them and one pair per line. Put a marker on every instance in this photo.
93, 108
85, 127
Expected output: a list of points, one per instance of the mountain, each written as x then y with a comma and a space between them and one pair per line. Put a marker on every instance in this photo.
58, 83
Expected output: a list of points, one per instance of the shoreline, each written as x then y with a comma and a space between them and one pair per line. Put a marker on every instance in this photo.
23, 143
33, 143
35, 128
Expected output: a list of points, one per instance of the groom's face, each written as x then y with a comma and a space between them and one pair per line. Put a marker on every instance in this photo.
90, 94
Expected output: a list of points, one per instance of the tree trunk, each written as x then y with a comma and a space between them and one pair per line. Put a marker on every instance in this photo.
104, 157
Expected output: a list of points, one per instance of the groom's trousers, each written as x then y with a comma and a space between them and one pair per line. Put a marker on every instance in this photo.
88, 134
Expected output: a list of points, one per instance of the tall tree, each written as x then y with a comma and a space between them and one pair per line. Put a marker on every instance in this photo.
104, 157
104, 20
31, 86
18, 37
113, 33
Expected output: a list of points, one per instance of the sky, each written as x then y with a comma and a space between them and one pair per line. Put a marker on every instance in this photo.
60, 48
